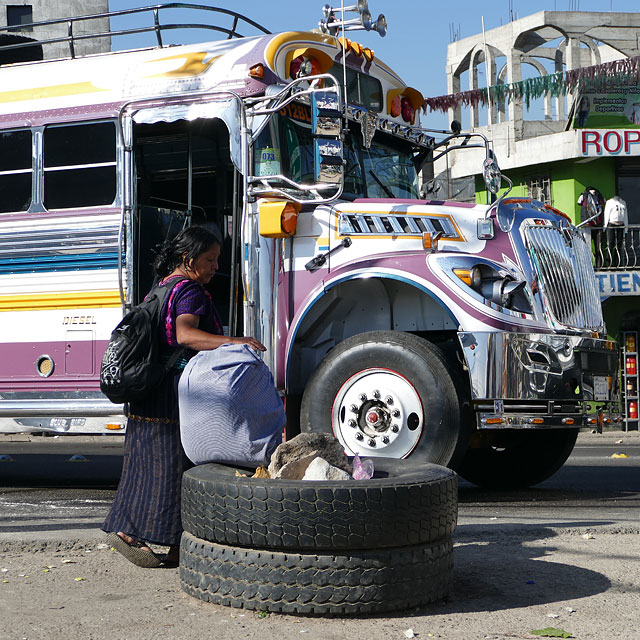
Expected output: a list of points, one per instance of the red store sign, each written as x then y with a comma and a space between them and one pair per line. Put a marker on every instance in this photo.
609, 142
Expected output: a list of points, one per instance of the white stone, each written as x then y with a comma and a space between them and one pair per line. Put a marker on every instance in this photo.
320, 469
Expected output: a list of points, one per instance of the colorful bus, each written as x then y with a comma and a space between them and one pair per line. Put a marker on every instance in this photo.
457, 333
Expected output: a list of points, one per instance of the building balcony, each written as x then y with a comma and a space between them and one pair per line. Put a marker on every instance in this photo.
616, 248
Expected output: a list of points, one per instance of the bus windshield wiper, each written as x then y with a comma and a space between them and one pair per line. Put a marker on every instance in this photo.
382, 186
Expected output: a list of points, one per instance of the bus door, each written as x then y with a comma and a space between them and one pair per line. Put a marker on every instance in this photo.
182, 175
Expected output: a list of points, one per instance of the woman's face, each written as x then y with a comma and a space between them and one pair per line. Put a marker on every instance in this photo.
203, 268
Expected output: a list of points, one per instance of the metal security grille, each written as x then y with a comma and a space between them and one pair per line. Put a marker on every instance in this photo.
539, 188
563, 263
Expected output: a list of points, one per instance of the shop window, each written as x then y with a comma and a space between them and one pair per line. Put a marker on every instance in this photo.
79, 165
539, 188
15, 170
18, 15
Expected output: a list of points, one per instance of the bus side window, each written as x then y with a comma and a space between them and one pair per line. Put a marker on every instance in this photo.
15, 170
79, 165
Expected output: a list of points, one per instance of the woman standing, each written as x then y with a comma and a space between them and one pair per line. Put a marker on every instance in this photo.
146, 509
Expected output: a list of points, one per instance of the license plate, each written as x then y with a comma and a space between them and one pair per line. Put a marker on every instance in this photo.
600, 388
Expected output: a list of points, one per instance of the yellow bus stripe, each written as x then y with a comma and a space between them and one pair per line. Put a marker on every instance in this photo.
55, 91
67, 300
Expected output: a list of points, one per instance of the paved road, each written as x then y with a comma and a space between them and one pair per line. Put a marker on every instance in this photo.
56, 488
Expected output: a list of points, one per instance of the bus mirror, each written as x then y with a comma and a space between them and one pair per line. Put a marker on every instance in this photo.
328, 160
491, 174
326, 117
326, 123
278, 218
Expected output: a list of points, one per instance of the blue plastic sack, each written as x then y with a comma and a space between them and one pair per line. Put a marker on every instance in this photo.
230, 411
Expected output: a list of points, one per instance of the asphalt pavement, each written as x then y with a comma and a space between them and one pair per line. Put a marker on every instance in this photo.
54, 487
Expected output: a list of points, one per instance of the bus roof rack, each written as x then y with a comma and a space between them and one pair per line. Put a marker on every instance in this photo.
75, 35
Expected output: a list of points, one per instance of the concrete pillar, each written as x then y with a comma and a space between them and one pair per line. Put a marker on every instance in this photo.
492, 80
453, 86
514, 74
502, 116
559, 68
473, 84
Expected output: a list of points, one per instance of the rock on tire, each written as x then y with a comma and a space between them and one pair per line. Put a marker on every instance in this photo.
360, 582
406, 503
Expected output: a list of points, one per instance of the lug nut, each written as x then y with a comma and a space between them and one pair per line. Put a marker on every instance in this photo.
359, 436
363, 397
389, 400
372, 443
352, 423
376, 394
353, 408
396, 413
395, 428
385, 439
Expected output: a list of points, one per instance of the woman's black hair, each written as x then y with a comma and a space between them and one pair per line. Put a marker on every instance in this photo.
187, 246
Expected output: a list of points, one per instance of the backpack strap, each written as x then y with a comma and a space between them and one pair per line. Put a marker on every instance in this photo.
162, 292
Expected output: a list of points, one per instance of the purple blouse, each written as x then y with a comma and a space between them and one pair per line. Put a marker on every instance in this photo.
189, 296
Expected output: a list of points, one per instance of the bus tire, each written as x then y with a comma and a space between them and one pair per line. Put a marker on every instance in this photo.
337, 584
404, 504
415, 403
518, 459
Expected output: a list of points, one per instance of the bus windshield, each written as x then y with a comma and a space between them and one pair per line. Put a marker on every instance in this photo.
385, 170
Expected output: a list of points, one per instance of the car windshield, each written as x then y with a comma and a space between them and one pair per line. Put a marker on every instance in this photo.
385, 170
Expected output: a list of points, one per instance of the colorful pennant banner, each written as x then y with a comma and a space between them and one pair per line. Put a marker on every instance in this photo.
597, 78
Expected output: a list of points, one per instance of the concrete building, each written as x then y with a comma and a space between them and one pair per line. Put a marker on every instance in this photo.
584, 138
15, 13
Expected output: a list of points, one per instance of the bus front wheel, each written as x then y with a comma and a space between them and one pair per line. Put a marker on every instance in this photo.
388, 394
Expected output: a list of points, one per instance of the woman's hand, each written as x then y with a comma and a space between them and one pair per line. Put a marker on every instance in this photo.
252, 342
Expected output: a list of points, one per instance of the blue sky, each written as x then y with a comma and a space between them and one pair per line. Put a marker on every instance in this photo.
418, 33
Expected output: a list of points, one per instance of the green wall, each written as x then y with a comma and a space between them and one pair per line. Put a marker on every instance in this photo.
568, 180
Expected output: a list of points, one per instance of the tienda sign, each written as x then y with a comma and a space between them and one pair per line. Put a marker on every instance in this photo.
609, 142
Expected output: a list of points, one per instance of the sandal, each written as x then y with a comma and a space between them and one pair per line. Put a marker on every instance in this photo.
171, 560
169, 563
134, 551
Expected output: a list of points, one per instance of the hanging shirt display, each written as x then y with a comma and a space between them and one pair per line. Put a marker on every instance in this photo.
615, 212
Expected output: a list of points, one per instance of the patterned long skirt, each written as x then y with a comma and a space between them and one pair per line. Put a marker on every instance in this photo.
147, 503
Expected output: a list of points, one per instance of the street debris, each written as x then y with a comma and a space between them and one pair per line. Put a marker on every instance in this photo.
588, 536
619, 455
409, 633
363, 470
551, 632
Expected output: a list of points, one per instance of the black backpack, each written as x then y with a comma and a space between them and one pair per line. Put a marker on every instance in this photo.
131, 366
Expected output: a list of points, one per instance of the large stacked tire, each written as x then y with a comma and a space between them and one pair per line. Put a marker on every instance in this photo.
329, 547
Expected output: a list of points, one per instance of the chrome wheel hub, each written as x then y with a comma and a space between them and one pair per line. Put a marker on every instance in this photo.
378, 412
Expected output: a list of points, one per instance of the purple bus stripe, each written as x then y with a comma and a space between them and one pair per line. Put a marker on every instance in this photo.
76, 365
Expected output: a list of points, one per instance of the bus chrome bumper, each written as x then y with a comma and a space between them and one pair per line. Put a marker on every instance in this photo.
541, 380
23, 413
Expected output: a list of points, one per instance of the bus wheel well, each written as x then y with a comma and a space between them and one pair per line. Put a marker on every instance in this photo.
360, 305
